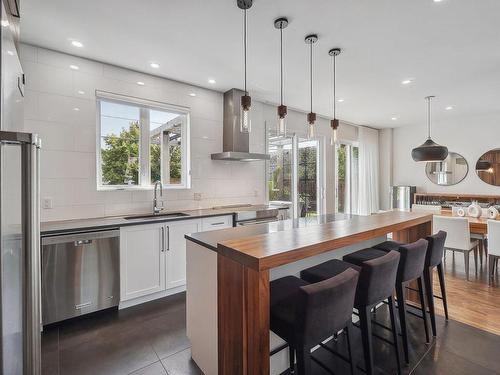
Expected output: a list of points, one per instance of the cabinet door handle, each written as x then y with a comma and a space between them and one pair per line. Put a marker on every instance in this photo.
219, 223
162, 239
168, 238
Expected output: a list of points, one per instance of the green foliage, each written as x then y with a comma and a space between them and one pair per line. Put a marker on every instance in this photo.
120, 157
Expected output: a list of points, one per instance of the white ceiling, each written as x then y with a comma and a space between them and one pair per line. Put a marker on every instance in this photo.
451, 49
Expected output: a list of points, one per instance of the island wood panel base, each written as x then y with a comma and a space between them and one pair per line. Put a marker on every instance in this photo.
243, 318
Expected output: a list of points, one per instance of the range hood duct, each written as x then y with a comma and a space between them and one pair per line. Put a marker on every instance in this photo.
235, 143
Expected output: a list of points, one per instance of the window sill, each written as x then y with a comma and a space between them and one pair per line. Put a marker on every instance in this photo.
141, 188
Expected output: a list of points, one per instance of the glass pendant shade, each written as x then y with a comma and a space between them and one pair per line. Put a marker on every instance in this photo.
334, 125
245, 117
281, 122
429, 151
311, 131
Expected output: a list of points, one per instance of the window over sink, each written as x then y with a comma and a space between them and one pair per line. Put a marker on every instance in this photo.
140, 142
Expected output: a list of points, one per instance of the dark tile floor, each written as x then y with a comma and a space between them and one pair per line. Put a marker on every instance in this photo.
150, 339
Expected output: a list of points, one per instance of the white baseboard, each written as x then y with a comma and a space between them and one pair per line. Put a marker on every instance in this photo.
151, 297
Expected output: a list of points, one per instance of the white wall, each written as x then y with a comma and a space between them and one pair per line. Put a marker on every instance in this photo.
68, 165
469, 136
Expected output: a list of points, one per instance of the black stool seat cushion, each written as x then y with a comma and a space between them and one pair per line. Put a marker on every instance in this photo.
361, 256
388, 246
326, 270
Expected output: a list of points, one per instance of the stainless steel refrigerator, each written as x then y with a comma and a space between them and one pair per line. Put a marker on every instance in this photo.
402, 197
20, 322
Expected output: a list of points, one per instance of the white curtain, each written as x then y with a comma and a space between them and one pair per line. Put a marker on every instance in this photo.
368, 198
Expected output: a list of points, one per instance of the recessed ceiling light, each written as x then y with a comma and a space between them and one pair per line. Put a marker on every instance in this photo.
437, 1
394, 118
74, 67
211, 81
450, 107
81, 92
340, 100
76, 109
4, 23
140, 83
76, 43
154, 65
407, 81
10, 53
192, 94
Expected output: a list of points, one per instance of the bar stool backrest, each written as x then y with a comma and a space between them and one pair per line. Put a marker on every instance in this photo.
457, 230
494, 237
412, 261
435, 249
377, 279
325, 307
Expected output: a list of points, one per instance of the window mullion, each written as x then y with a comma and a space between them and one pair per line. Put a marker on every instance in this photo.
144, 149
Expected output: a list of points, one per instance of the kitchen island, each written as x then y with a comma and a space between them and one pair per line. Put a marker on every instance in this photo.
228, 274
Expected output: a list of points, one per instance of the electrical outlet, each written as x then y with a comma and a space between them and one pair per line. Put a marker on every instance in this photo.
47, 203
197, 196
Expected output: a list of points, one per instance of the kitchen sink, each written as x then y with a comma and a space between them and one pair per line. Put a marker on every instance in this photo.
154, 216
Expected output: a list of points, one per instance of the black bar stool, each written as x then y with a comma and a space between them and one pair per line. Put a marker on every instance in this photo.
306, 314
376, 284
433, 259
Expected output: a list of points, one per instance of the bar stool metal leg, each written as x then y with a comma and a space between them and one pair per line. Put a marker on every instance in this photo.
366, 338
303, 361
443, 288
430, 297
402, 319
423, 307
395, 332
291, 356
350, 341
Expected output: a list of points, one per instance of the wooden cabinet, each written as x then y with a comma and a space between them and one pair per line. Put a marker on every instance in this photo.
142, 260
153, 256
176, 250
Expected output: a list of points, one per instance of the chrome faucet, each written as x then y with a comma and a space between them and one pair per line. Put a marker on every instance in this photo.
156, 209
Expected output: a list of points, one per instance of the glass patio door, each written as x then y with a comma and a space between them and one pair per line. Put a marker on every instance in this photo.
347, 178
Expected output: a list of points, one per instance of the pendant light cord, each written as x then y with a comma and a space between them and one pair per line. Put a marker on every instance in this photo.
245, 45
429, 116
334, 86
281, 64
311, 73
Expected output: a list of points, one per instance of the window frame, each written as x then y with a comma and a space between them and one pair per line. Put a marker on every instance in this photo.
144, 178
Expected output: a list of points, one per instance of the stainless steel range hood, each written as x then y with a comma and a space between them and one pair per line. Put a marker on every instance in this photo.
235, 143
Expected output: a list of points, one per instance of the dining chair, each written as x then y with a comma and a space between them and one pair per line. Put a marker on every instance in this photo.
458, 237
426, 207
493, 248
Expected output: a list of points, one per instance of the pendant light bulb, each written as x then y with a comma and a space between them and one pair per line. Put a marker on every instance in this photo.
246, 100
334, 124
311, 116
280, 24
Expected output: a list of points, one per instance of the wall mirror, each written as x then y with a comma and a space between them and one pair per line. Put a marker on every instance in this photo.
488, 167
448, 172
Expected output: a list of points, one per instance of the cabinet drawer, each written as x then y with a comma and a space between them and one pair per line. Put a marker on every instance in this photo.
216, 222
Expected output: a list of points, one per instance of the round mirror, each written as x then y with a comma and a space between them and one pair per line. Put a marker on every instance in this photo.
488, 167
448, 172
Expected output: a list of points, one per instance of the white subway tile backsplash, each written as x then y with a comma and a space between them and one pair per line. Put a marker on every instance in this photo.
68, 160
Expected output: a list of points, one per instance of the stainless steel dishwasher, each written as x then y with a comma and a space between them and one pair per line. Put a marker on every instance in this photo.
80, 274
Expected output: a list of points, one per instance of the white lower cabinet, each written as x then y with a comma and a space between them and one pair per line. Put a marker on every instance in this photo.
153, 257
176, 250
142, 260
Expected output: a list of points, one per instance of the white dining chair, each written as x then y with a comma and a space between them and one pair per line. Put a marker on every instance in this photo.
458, 237
426, 207
493, 247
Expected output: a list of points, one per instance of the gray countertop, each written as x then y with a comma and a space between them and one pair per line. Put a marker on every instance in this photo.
212, 238
99, 223
56, 227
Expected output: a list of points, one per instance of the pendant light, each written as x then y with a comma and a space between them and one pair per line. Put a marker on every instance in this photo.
334, 123
280, 24
311, 116
429, 151
246, 100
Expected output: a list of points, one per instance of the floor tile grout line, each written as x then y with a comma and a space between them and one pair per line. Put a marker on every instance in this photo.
433, 344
